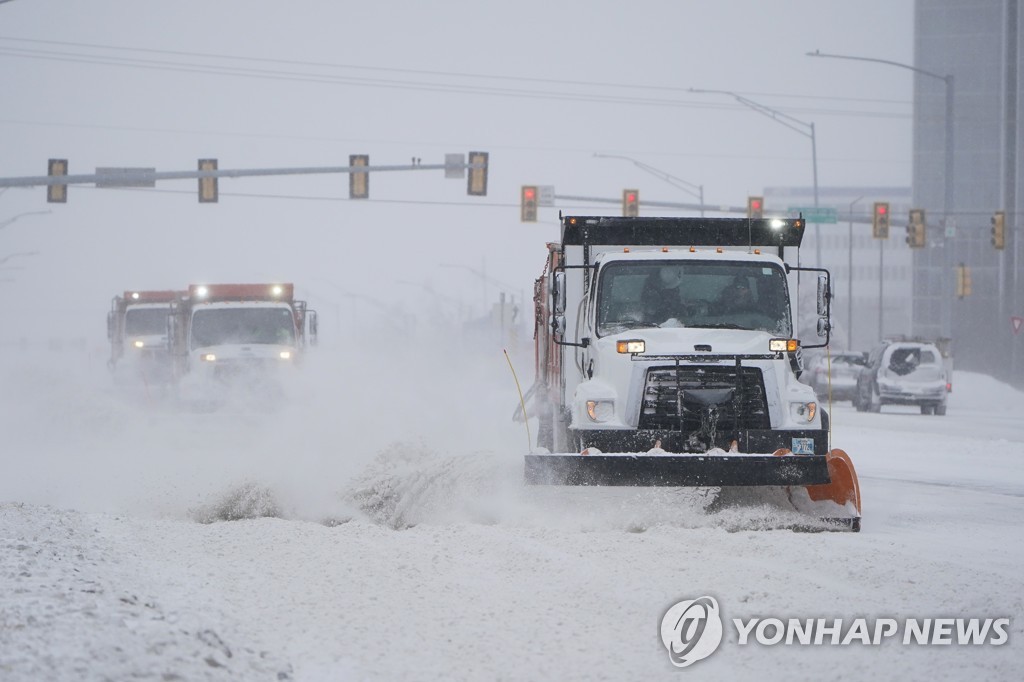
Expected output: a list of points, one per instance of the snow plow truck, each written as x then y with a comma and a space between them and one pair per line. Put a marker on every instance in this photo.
666, 356
237, 338
137, 330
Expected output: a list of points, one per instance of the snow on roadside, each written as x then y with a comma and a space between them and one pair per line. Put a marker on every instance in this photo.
76, 603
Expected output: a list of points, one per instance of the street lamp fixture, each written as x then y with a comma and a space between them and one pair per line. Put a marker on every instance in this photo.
802, 127
9, 256
678, 183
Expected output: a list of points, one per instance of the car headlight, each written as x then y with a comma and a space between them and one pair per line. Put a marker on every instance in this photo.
804, 411
600, 410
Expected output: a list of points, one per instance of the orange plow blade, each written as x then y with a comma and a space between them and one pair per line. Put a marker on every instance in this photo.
843, 487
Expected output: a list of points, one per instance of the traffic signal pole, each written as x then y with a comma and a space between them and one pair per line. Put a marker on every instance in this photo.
147, 177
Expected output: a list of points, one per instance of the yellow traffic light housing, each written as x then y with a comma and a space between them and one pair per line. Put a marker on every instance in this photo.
358, 181
57, 194
963, 281
880, 220
916, 229
477, 185
528, 204
999, 230
755, 208
631, 203
208, 187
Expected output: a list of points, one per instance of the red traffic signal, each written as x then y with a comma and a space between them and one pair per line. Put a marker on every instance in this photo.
528, 204
630, 203
880, 220
755, 208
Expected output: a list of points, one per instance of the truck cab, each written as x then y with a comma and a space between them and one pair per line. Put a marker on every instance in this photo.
673, 334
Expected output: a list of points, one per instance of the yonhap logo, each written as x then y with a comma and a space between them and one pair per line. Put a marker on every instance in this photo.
691, 630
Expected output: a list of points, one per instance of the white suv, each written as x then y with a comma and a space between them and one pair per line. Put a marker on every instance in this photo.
903, 373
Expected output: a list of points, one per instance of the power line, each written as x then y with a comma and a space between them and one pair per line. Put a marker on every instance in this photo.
424, 72
412, 85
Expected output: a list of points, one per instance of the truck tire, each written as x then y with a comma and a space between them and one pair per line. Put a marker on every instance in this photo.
940, 410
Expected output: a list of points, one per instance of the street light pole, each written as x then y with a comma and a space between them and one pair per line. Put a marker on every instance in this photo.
948, 204
670, 179
791, 123
849, 279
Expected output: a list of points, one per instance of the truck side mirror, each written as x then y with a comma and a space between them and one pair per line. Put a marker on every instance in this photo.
559, 325
824, 326
313, 326
823, 294
110, 325
559, 292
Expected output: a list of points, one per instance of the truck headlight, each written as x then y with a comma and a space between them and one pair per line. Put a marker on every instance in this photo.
285, 355
804, 411
208, 357
631, 346
600, 410
138, 344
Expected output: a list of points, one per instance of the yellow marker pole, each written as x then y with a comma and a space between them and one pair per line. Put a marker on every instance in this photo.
526, 418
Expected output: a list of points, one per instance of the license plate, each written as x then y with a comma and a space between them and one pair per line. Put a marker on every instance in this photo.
803, 446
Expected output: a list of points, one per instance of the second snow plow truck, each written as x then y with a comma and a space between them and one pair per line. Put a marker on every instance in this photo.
237, 339
666, 355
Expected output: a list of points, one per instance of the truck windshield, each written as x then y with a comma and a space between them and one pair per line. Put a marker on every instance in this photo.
725, 295
145, 321
217, 326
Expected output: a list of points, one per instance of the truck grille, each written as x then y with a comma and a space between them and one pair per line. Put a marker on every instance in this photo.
698, 388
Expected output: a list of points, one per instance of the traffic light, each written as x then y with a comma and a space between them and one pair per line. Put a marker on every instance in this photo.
916, 228
208, 190
999, 230
528, 204
477, 185
358, 181
755, 208
880, 220
57, 194
963, 281
631, 203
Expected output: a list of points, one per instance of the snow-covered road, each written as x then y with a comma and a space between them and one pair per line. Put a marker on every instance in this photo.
413, 551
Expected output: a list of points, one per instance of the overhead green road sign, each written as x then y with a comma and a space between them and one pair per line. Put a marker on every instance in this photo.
815, 214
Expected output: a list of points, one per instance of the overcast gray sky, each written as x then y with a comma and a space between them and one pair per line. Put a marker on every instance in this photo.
542, 86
